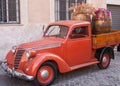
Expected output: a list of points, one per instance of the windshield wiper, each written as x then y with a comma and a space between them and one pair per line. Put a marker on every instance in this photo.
50, 31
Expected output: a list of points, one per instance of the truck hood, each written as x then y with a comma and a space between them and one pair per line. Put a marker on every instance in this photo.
44, 43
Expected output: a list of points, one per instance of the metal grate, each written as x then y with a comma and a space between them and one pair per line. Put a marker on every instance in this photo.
9, 11
12, 10
18, 57
3, 14
62, 8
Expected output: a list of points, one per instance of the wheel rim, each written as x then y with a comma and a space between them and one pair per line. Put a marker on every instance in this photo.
45, 74
105, 60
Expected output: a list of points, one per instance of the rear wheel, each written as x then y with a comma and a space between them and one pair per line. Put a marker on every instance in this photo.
46, 74
104, 60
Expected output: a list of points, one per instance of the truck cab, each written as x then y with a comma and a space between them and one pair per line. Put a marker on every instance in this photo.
65, 46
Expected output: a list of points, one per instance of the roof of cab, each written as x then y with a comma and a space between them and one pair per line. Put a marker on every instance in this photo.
70, 22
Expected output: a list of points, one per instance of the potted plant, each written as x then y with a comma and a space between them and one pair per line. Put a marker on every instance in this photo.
82, 11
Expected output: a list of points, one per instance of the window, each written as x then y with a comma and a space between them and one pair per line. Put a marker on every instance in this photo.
57, 31
79, 32
9, 12
62, 8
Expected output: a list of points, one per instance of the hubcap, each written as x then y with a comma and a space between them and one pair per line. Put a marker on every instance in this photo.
44, 74
104, 59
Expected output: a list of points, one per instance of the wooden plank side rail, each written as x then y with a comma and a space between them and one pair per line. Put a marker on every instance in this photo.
106, 39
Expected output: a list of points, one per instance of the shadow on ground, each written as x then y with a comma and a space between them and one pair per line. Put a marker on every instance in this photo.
62, 78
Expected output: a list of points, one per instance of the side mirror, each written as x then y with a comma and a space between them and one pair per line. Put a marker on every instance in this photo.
43, 28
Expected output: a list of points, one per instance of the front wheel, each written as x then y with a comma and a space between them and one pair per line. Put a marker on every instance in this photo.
46, 74
105, 60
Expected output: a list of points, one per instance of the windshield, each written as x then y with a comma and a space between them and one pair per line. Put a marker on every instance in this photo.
57, 31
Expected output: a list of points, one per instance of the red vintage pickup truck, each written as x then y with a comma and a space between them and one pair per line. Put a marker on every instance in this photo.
65, 46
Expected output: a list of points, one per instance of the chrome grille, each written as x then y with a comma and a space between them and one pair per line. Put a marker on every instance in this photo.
18, 56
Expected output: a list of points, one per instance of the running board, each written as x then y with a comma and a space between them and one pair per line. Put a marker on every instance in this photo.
84, 65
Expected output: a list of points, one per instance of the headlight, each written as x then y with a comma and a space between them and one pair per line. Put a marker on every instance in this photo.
14, 49
30, 53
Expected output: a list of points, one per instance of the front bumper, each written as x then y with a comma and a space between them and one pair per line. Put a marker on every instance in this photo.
14, 73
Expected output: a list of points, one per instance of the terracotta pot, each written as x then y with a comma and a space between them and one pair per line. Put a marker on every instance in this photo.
79, 17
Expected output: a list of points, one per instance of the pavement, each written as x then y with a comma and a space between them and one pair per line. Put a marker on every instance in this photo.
88, 76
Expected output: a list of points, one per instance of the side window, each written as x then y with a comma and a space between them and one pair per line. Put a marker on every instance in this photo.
79, 32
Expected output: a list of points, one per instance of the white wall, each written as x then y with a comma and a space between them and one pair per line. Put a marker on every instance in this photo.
98, 3
15, 35
114, 2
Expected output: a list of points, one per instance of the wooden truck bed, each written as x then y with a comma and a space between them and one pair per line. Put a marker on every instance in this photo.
106, 39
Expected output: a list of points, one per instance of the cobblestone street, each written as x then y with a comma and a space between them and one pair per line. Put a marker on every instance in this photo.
89, 76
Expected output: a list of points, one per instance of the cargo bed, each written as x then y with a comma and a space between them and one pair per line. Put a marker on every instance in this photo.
106, 39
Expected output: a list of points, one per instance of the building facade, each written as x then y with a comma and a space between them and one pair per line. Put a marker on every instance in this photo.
22, 20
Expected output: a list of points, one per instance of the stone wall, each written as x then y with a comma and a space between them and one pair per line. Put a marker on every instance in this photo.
15, 35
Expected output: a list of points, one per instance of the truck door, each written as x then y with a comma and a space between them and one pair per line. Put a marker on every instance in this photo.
79, 46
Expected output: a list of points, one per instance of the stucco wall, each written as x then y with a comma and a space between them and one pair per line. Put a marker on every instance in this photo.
39, 11
114, 2
98, 3
15, 35
33, 15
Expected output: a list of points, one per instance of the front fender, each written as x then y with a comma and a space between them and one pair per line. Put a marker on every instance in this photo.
42, 58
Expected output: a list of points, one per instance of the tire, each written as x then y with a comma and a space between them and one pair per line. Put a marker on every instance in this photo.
51, 73
104, 60
118, 48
